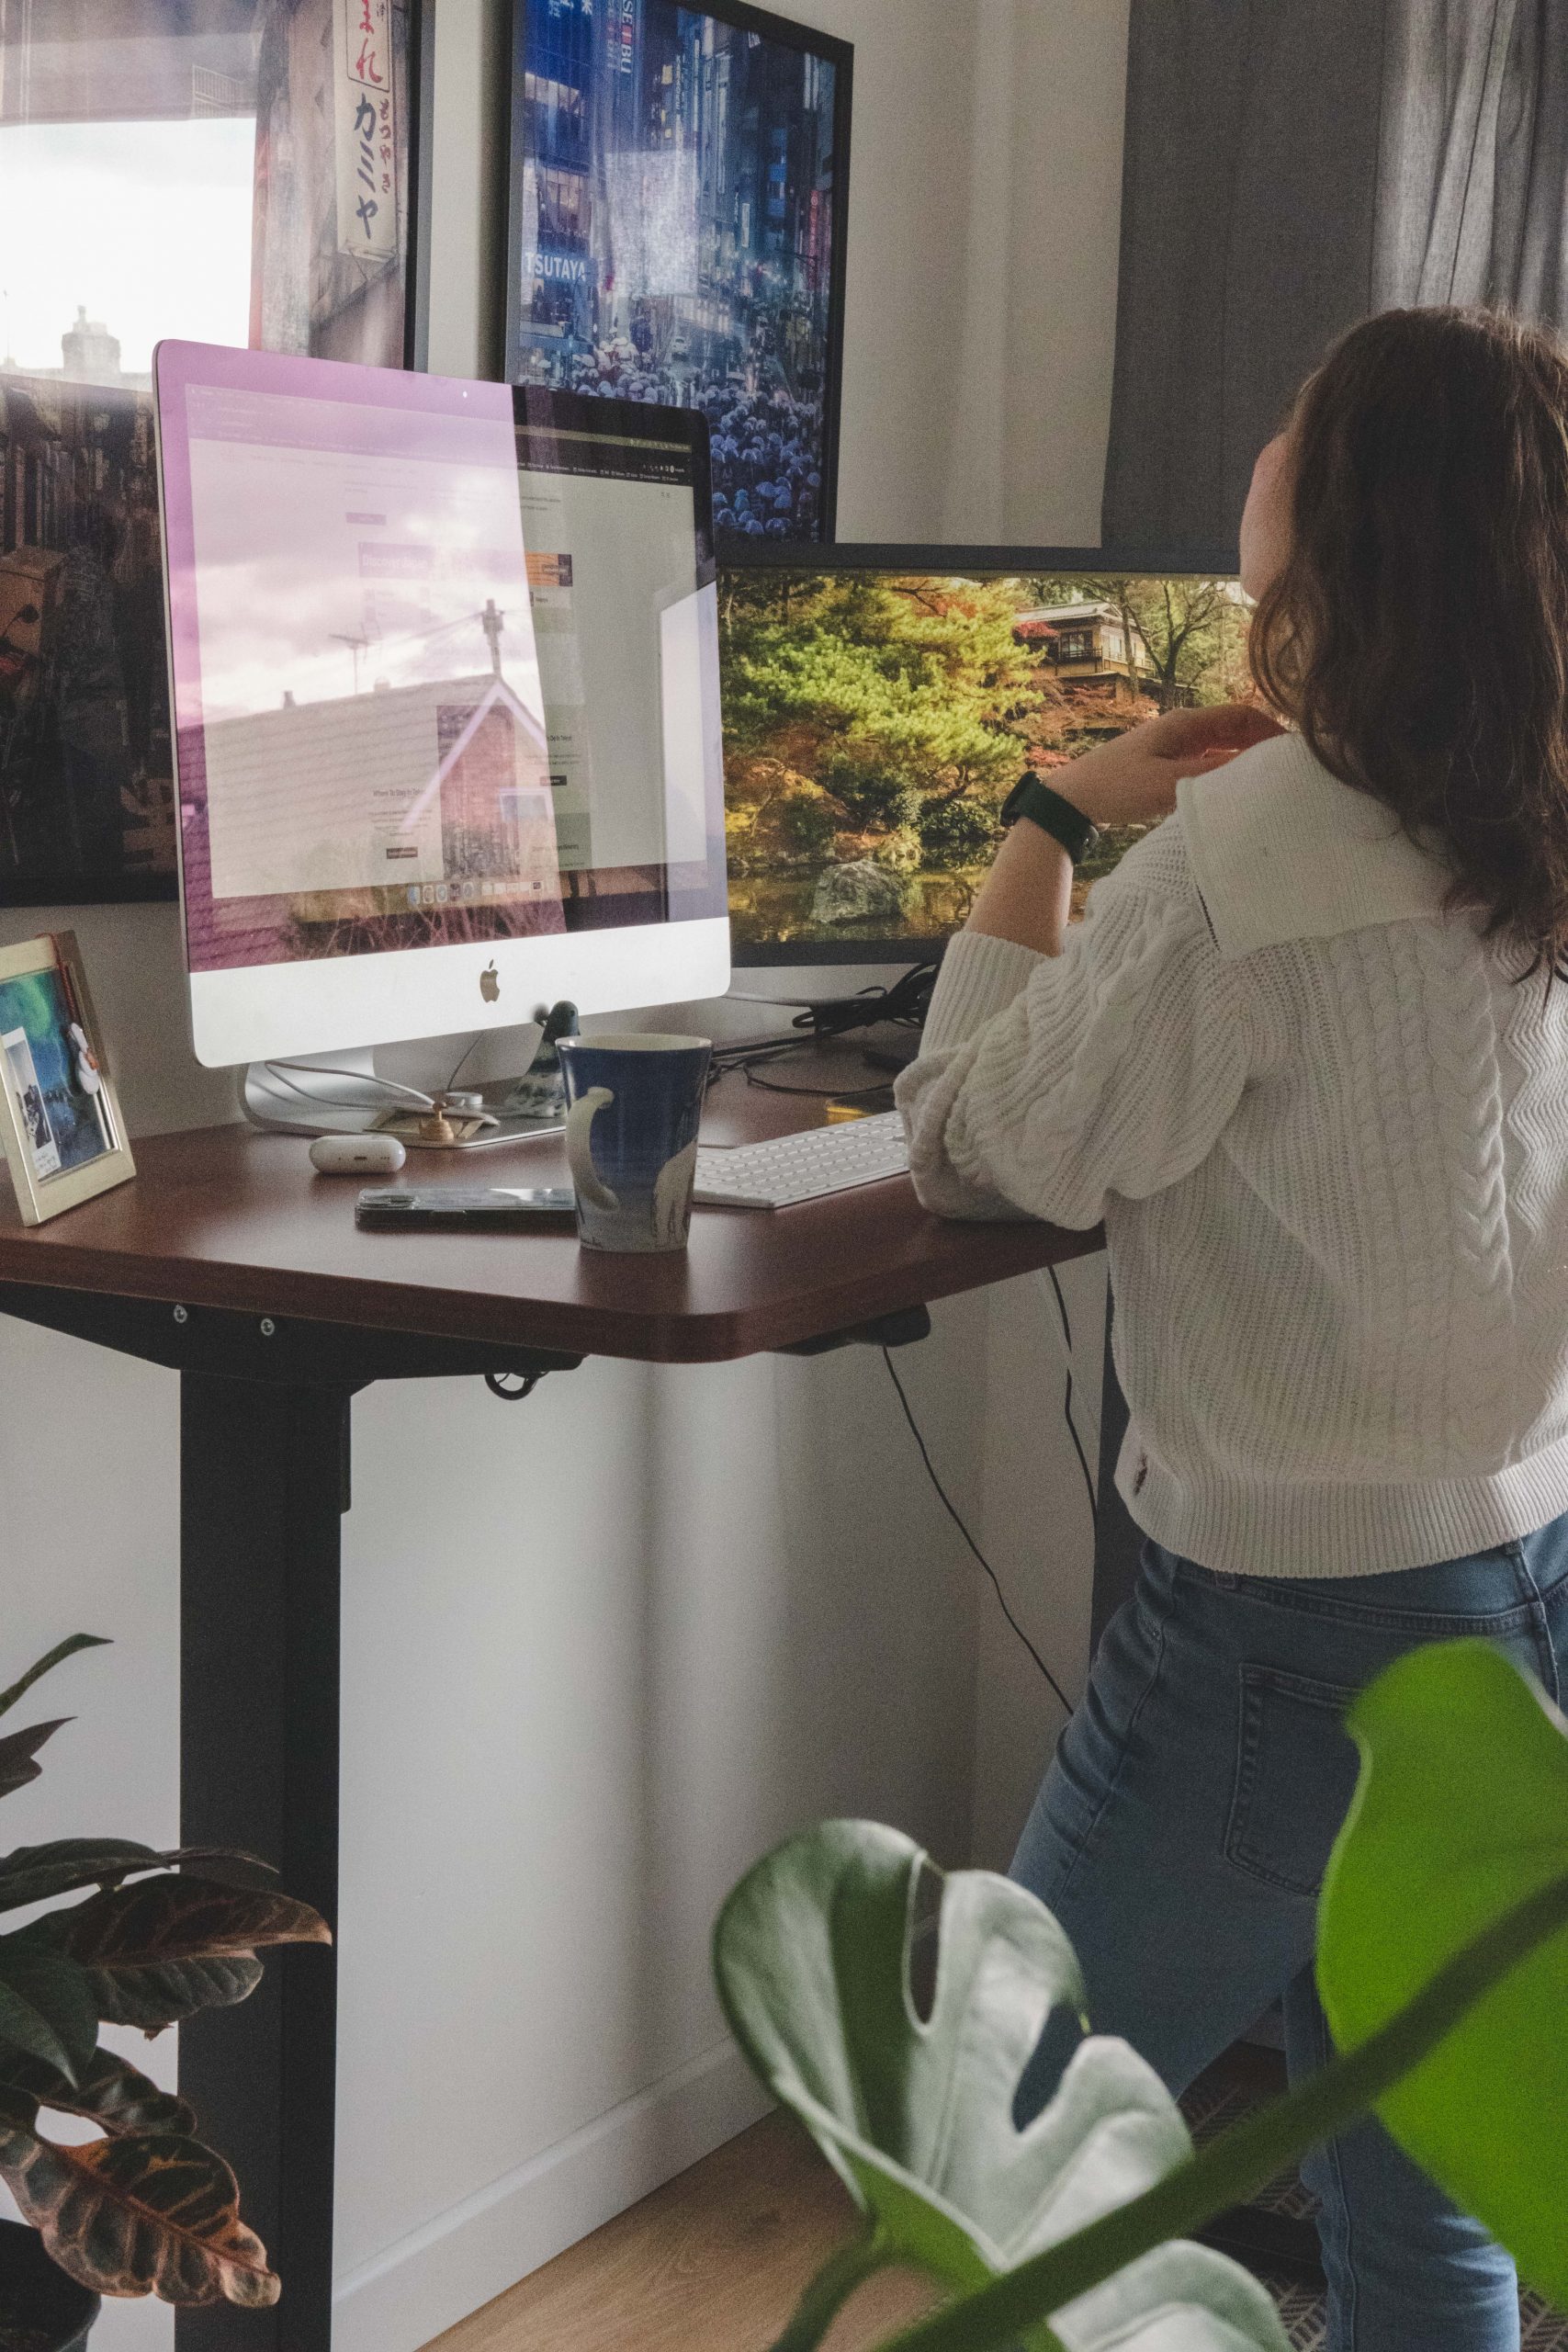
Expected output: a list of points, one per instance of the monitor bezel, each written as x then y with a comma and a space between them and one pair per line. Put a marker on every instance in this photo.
367, 1000
941, 562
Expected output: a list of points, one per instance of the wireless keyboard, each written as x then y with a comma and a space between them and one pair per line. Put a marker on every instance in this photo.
803, 1168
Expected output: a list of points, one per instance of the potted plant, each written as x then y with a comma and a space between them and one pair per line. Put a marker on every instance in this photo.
134, 1937
1442, 1962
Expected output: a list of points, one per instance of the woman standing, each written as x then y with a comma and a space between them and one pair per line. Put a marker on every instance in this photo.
1307, 1057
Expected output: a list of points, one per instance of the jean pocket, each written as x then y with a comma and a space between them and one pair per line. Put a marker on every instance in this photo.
1295, 1774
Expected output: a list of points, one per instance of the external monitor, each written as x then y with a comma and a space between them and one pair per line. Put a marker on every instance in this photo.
445, 679
880, 703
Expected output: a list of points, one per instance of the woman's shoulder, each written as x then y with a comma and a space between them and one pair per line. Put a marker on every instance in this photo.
1154, 870
1280, 849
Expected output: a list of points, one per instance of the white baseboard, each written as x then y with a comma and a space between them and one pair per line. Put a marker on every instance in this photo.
468, 2256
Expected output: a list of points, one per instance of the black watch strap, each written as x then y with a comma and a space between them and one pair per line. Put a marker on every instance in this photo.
1031, 798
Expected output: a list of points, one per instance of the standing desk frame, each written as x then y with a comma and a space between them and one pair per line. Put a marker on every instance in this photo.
209, 1265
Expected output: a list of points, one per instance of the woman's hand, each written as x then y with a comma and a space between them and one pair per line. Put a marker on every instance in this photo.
1132, 780
1027, 896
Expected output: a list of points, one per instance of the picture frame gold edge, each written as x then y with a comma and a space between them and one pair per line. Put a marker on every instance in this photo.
40, 1200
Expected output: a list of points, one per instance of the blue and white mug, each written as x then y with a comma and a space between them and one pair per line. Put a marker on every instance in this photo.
631, 1137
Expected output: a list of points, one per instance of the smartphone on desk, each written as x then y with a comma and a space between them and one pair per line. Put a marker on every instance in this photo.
450, 1208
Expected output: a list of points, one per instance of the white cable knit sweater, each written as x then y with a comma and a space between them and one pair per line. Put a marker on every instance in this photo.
1328, 1136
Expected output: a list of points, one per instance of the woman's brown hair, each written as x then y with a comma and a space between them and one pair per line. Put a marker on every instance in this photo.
1418, 633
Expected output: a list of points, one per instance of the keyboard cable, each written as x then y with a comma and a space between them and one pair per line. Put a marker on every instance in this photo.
1067, 1401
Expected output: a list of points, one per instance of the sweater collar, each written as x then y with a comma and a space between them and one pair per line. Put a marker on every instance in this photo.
1281, 850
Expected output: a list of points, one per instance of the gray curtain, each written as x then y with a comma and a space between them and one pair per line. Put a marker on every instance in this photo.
1290, 169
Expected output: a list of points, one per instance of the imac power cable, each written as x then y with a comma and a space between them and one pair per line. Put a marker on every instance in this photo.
949, 1508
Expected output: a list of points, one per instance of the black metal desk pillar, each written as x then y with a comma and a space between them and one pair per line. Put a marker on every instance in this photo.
263, 1488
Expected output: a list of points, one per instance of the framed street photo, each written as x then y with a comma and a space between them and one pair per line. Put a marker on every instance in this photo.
680, 178
59, 1119
226, 171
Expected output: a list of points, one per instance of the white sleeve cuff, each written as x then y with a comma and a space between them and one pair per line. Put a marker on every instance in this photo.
979, 976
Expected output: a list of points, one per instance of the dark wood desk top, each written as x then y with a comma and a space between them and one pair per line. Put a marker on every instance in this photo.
228, 1219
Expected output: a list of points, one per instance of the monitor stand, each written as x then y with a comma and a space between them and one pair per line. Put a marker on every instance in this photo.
341, 1093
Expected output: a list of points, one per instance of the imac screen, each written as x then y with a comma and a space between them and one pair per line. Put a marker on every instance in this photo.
875, 720
444, 657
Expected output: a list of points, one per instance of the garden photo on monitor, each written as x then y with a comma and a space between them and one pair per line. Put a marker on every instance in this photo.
875, 721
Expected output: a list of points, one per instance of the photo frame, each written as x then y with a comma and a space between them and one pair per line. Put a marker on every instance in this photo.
676, 233
61, 1126
276, 144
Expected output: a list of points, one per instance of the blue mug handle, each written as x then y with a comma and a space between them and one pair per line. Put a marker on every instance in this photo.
580, 1152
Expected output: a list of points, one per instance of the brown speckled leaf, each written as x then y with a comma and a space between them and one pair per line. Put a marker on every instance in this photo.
109, 2091
158, 1952
153, 2214
37, 1873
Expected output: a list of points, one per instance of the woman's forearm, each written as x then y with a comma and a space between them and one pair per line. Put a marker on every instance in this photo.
1027, 895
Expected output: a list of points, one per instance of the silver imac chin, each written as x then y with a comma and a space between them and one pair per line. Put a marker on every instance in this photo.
445, 695
285, 1010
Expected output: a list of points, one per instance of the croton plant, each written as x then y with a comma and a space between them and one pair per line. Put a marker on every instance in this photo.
149, 1940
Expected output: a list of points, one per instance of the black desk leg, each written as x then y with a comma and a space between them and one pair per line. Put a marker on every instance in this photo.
264, 1485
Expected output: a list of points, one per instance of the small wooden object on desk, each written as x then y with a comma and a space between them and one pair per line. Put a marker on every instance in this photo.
60, 1121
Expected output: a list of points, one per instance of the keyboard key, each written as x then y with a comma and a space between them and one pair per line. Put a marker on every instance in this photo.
805, 1167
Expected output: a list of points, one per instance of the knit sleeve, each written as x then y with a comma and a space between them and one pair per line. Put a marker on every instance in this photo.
1115, 1067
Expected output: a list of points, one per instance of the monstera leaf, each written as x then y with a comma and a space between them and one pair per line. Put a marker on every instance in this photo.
812, 1954
1460, 1819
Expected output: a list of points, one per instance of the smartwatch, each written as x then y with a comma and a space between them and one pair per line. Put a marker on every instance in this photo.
1066, 824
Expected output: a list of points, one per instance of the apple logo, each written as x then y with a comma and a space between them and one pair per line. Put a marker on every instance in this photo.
489, 984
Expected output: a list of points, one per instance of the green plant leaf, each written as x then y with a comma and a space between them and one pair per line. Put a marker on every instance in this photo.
46, 2008
19, 1748
1460, 1815
109, 2091
52, 1658
158, 1952
35, 1874
812, 1955
151, 2213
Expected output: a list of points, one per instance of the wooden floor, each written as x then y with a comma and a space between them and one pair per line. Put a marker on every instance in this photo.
712, 2262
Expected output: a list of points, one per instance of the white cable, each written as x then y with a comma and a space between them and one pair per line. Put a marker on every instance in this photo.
278, 1071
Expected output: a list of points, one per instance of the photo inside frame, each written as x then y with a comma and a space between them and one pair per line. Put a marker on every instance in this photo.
677, 198
46, 1066
227, 172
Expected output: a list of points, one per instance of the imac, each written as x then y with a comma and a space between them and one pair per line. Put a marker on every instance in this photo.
444, 668
881, 702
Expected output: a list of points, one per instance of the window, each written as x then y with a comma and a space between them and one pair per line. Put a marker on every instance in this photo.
223, 170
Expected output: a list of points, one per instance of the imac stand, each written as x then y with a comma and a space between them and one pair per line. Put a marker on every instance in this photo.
342, 1095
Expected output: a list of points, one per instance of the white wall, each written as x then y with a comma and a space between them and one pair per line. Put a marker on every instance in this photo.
1032, 403
600, 1649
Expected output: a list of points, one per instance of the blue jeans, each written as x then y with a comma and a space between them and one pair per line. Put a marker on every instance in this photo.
1181, 1837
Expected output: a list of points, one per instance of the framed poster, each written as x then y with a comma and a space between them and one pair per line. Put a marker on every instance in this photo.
680, 178
229, 171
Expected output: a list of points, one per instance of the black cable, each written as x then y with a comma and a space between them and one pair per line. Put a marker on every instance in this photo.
822, 1094
947, 1506
1067, 1401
